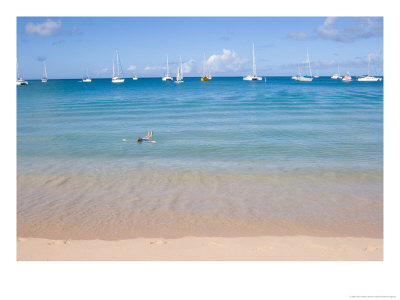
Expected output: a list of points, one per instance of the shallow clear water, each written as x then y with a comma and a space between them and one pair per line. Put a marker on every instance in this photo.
231, 158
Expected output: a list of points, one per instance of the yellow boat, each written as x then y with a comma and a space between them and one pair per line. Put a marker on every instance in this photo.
205, 66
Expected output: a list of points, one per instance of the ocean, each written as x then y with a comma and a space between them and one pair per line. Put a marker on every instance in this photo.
231, 158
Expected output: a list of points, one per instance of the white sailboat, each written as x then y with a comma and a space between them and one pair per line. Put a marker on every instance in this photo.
20, 80
86, 78
253, 76
298, 73
44, 78
116, 77
135, 77
166, 77
368, 77
306, 78
179, 73
337, 75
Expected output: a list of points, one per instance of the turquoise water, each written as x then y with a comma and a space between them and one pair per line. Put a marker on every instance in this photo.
231, 158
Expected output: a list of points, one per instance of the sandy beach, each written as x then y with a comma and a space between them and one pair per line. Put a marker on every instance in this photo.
265, 248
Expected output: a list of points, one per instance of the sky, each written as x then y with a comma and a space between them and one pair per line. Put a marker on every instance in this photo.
72, 45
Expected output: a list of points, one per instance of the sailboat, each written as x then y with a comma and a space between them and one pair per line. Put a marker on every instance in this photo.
306, 78
44, 78
86, 78
179, 74
166, 77
253, 76
347, 77
368, 77
20, 80
135, 77
337, 75
205, 77
298, 73
116, 77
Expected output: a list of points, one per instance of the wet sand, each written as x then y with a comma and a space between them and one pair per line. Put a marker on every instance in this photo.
264, 248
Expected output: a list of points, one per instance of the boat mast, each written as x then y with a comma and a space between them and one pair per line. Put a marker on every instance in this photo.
180, 57
113, 67
338, 72
204, 64
18, 73
44, 70
309, 65
117, 65
167, 67
254, 63
369, 60
208, 69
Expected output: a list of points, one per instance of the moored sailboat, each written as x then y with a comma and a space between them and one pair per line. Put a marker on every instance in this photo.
337, 75
166, 77
179, 73
205, 77
298, 73
116, 77
253, 76
86, 78
368, 77
347, 77
306, 78
20, 80
44, 78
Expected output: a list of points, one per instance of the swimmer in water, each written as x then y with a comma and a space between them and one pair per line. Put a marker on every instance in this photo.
147, 138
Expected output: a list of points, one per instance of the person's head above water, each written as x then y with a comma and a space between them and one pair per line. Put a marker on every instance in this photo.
139, 139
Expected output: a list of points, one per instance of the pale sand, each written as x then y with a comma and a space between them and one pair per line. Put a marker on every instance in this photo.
278, 248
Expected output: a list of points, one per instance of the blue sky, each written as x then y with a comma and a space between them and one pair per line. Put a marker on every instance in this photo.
69, 45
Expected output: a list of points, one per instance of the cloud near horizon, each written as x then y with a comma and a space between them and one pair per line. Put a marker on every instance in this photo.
103, 71
131, 68
190, 66
74, 31
298, 35
47, 28
365, 28
356, 62
149, 68
227, 61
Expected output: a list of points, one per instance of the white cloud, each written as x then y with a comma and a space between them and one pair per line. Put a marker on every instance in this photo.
352, 63
74, 31
131, 68
227, 61
298, 35
327, 31
103, 71
189, 66
365, 28
47, 28
148, 68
